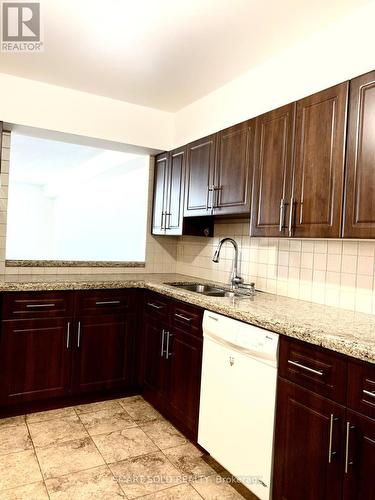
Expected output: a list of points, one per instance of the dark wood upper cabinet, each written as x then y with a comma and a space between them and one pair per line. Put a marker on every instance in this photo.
360, 163
233, 169
169, 180
160, 188
200, 164
319, 163
175, 192
272, 172
309, 449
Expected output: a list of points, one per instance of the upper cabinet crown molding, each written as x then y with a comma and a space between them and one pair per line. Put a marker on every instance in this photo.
360, 160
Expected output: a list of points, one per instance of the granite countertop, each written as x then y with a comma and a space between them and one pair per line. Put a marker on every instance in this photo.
343, 331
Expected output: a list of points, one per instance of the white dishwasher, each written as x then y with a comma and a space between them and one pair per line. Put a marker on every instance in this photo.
237, 401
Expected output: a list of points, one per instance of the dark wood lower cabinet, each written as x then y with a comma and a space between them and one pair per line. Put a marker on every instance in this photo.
103, 352
172, 359
35, 358
92, 349
184, 376
154, 378
359, 473
309, 453
323, 449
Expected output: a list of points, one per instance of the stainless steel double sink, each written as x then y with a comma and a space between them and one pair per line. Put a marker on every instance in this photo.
208, 290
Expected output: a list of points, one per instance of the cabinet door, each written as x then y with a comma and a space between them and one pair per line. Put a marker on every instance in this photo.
234, 169
160, 188
360, 163
359, 482
309, 451
319, 163
154, 378
103, 346
175, 192
184, 378
199, 176
35, 359
272, 172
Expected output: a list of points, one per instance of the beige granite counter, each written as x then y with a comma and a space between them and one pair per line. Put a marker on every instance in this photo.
343, 331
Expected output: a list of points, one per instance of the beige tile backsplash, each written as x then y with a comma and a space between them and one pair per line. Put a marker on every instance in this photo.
332, 272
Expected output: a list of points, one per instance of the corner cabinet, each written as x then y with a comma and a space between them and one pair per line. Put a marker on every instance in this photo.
325, 426
169, 177
360, 162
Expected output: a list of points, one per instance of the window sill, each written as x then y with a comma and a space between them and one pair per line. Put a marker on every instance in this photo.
71, 263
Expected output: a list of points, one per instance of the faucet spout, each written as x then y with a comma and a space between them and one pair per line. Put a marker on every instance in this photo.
235, 280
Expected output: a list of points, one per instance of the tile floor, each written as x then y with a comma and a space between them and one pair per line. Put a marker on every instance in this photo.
113, 449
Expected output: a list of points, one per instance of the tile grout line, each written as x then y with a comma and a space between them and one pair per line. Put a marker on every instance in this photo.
104, 460
37, 458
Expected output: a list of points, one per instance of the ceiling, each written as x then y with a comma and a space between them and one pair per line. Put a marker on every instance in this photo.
165, 53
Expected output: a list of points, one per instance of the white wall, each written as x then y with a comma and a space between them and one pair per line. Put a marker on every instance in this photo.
35, 104
340, 52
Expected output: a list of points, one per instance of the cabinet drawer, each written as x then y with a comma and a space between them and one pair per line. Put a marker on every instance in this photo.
101, 302
361, 387
186, 317
317, 369
156, 305
31, 305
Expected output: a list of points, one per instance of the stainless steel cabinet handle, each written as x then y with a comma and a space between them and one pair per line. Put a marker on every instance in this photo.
348, 429
167, 353
107, 302
68, 335
162, 342
208, 199
369, 393
330, 452
181, 316
30, 306
79, 334
155, 306
303, 367
217, 190
168, 225
162, 221
282, 215
291, 217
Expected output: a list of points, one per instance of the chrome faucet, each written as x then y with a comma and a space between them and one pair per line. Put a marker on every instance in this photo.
235, 280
